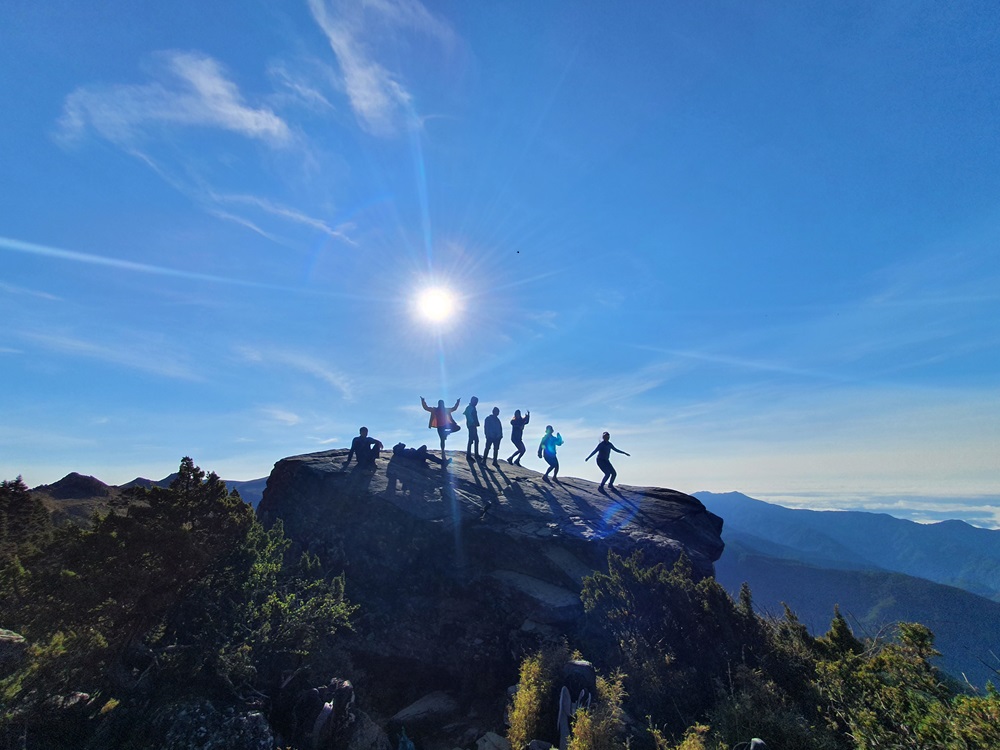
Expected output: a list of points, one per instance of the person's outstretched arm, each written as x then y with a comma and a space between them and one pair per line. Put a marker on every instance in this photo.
527, 417
349, 454
592, 453
424, 404
618, 451
457, 401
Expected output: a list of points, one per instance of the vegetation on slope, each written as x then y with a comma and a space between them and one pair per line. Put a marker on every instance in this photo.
694, 657
183, 593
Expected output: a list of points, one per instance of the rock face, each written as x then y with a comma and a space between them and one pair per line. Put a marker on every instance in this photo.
462, 568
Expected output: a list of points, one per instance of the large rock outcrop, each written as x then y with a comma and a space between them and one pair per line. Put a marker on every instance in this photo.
458, 571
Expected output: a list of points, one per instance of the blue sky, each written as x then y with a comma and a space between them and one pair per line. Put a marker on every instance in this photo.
757, 242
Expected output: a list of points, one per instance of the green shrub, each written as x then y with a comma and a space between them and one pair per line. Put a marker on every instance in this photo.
532, 687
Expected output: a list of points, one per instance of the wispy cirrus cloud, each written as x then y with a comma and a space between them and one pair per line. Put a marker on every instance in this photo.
377, 95
304, 363
134, 355
193, 91
295, 88
283, 416
284, 212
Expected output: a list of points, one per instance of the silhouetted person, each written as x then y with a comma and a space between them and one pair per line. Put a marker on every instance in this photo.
493, 430
603, 451
365, 448
418, 455
441, 419
472, 422
547, 450
517, 424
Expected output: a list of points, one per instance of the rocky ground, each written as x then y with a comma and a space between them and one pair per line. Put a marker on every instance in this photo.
460, 571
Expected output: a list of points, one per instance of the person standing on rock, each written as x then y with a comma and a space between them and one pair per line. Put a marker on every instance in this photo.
472, 422
517, 424
441, 419
365, 448
603, 451
493, 430
547, 450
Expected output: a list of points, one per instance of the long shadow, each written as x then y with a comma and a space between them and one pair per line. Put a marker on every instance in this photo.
414, 477
625, 499
488, 494
360, 476
489, 475
637, 507
499, 470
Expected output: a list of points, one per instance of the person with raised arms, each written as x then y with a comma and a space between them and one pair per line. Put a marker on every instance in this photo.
603, 451
442, 420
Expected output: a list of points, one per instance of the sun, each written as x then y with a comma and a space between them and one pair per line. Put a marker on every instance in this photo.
436, 304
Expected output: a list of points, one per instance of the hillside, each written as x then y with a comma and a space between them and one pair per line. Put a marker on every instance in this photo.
952, 553
813, 560
965, 625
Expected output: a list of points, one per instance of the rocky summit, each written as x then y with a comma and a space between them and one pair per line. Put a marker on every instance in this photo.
458, 571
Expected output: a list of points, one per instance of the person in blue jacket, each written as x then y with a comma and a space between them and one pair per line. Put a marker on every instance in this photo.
547, 450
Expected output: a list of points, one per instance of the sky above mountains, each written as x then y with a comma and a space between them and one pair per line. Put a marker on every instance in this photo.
756, 243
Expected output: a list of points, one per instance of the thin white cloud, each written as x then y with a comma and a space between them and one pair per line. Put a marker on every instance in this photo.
284, 212
377, 96
226, 216
46, 251
195, 92
283, 416
296, 89
303, 363
11, 289
131, 355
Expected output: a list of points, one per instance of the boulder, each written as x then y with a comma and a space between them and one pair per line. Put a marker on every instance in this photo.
434, 709
459, 571
13, 648
492, 741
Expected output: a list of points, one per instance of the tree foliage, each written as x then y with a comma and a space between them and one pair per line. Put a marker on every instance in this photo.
182, 592
24, 523
709, 672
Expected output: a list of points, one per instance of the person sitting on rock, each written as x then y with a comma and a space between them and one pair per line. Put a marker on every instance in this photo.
603, 451
547, 450
442, 420
494, 434
365, 448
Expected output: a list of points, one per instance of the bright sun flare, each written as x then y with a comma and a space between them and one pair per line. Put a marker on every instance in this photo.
436, 304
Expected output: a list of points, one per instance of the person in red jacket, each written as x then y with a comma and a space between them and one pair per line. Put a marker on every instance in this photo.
442, 420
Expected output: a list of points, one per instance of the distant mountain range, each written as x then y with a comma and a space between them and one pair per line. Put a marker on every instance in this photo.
76, 497
949, 552
877, 568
